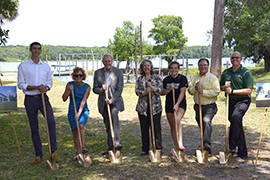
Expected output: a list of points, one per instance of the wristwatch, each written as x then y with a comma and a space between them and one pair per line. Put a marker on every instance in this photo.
232, 91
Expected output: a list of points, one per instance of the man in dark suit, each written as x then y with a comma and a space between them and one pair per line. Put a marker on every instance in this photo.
109, 79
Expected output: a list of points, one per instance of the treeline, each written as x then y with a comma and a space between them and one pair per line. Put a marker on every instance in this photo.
194, 52
51, 53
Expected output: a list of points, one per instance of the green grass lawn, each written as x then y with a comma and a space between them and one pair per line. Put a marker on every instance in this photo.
133, 166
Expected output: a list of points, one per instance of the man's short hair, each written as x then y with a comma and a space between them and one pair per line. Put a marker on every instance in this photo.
107, 55
34, 43
203, 59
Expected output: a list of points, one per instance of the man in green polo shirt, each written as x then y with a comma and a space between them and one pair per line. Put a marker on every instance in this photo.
237, 81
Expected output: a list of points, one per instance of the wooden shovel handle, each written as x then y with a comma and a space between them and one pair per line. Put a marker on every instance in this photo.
260, 139
46, 122
201, 124
175, 120
78, 127
226, 123
152, 122
110, 120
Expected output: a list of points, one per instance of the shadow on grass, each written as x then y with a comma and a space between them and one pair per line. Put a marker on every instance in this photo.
133, 166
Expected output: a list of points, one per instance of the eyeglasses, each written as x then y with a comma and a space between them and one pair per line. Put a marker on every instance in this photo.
78, 75
235, 57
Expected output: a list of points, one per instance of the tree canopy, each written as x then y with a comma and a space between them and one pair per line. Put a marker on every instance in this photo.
123, 42
8, 11
168, 34
247, 29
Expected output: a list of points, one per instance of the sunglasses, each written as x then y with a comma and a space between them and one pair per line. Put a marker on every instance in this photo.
78, 75
235, 57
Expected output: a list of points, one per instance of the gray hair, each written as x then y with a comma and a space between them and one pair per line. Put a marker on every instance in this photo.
107, 55
141, 67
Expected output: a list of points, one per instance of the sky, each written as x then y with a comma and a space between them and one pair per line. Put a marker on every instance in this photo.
92, 22
8, 90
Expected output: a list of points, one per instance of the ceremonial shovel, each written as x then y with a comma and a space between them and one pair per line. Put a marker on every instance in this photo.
178, 155
83, 158
115, 156
155, 155
202, 155
50, 164
260, 140
226, 157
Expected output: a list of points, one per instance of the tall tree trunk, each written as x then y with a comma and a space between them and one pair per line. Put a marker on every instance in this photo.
267, 59
217, 42
136, 65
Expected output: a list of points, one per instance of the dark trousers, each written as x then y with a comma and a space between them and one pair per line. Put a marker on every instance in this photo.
237, 109
115, 122
208, 113
145, 123
32, 105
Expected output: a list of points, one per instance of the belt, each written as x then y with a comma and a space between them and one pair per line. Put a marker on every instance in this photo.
34, 96
234, 99
206, 104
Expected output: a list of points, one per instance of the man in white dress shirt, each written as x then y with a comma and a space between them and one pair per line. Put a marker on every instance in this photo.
34, 78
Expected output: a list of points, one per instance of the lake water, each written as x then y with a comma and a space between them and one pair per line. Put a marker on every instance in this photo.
90, 65
13, 66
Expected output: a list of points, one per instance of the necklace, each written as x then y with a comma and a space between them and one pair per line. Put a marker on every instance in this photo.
79, 88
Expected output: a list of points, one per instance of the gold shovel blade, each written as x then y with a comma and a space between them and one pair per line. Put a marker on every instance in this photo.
229, 159
84, 160
222, 157
51, 166
115, 157
199, 156
87, 159
205, 156
155, 157
178, 155
81, 159
225, 158
202, 157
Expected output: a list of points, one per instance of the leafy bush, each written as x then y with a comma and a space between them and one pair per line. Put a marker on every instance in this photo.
261, 64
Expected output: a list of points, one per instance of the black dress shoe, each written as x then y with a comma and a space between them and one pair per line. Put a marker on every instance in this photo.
207, 147
233, 151
119, 147
105, 152
244, 157
144, 153
236, 155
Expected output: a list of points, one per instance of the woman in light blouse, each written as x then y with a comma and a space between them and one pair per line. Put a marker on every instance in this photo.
149, 82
